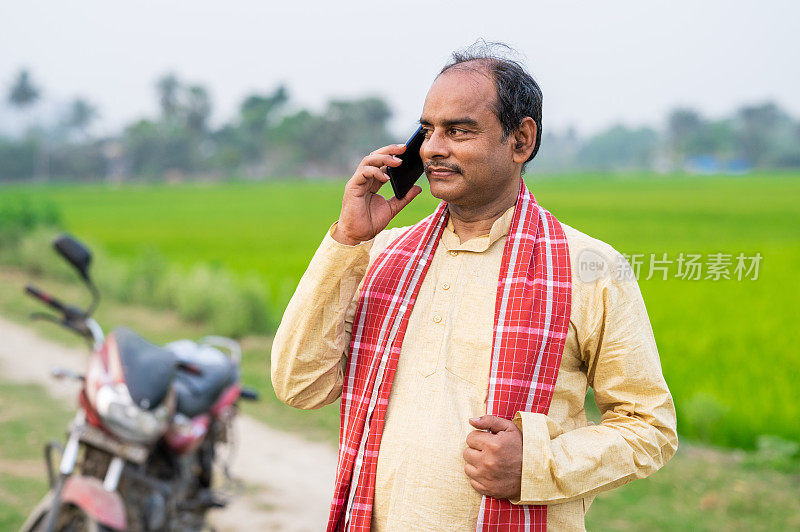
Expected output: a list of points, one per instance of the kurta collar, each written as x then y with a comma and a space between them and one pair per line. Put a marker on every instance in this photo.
499, 229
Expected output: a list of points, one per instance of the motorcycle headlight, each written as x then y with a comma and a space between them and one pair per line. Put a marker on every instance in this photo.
125, 419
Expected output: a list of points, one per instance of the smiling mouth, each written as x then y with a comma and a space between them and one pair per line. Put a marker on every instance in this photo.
440, 172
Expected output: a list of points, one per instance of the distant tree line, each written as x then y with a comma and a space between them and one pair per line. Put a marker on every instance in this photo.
268, 136
759, 136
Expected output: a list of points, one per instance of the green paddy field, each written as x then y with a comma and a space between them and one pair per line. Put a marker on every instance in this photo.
727, 346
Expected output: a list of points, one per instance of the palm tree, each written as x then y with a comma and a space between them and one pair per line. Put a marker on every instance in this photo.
198, 108
257, 111
22, 95
168, 87
23, 92
80, 115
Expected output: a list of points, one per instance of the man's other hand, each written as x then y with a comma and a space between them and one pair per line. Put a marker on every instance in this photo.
494, 457
365, 213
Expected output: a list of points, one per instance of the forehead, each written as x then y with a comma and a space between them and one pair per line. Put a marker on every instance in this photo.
460, 93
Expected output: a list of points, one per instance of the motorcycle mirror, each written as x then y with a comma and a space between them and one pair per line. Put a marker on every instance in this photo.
75, 252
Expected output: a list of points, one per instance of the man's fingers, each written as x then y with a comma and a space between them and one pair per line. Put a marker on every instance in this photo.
477, 439
493, 424
397, 205
472, 472
378, 179
391, 149
477, 486
381, 159
370, 174
471, 456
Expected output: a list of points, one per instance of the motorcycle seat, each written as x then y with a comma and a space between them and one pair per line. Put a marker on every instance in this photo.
148, 369
198, 389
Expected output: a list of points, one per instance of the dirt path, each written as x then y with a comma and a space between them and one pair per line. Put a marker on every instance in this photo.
288, 479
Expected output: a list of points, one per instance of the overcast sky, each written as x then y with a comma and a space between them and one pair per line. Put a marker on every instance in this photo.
597, 62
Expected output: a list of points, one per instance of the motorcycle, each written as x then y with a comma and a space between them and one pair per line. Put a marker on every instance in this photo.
142, 448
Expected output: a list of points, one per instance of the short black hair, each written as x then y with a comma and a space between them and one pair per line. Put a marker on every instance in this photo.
518, 94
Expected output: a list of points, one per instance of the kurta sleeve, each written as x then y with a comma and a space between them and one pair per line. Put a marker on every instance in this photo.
637, 433
309, 350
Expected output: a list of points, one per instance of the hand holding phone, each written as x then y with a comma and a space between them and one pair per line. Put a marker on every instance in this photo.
365, 213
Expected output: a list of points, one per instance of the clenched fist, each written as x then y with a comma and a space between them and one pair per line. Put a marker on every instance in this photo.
494, 457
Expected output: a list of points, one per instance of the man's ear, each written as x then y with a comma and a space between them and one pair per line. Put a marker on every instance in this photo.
524, 140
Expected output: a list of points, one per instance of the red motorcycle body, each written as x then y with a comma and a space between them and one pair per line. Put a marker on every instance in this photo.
87, 493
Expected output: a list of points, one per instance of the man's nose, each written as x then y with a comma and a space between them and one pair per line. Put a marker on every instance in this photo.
435, 146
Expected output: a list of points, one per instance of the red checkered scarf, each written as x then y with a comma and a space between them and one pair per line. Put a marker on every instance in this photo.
530, 326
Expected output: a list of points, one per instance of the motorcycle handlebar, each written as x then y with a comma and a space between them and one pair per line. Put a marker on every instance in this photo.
249, 393
45, 298
73, 317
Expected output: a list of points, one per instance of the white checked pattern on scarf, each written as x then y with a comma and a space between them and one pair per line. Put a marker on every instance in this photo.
531, 318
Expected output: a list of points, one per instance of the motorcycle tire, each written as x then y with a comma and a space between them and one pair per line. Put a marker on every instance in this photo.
70, 519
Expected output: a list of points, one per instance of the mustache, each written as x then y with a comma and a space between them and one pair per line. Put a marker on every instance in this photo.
453, 167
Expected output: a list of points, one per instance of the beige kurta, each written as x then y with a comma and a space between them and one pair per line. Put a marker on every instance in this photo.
443, 372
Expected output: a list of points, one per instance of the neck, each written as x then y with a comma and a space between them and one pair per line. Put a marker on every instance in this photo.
472, 221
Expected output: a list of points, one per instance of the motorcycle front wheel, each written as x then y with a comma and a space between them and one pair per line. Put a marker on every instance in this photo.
70, 519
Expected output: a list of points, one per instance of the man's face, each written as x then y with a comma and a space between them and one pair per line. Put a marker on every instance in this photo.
467, 162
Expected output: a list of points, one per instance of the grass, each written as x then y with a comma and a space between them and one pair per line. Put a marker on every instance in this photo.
28, 418
702, 489
719, 341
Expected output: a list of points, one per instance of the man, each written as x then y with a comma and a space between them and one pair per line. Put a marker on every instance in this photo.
462, 347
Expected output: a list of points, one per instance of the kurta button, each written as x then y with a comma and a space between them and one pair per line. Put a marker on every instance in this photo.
446, 286
437, 318
453, 252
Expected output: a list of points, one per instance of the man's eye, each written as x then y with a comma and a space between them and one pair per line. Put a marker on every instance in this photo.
457, 131
427, 132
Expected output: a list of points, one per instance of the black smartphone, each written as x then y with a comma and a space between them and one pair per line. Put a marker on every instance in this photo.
404, 176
